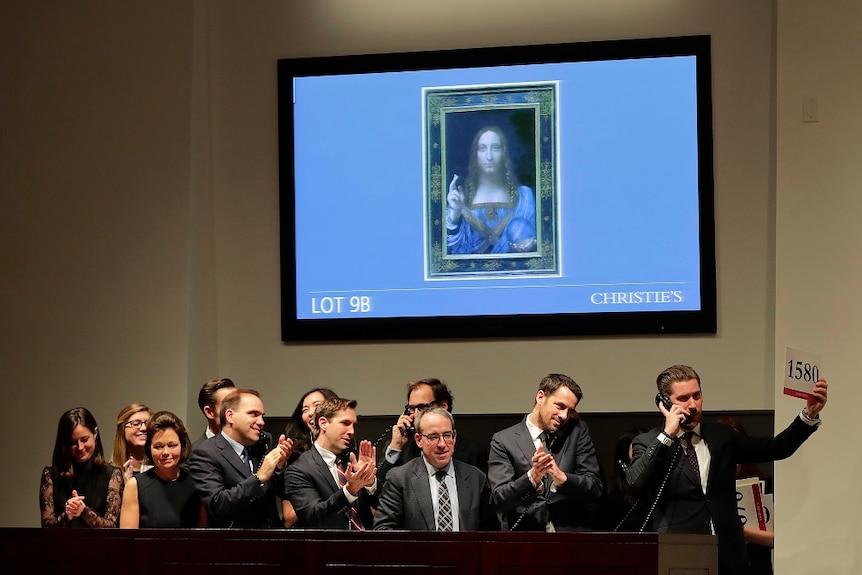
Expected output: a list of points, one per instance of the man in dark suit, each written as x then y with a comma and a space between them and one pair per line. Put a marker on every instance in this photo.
329, 486
434, 492
236, 473
689, 467
422, 394
543, 471
210, 397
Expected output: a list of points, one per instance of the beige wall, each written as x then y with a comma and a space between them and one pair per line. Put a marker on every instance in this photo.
244, 47
94, 221
138, 162
818, 265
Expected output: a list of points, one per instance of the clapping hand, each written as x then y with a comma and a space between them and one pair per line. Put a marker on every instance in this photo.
362, 472
75, 505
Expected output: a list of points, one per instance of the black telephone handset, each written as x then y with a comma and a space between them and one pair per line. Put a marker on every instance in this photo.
259, 450
265, 443
352, 447
411, 430
662, 399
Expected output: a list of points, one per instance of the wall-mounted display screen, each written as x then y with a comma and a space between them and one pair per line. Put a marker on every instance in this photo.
524, 191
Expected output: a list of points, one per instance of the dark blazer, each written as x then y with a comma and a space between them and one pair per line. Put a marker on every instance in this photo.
199, 440
232, 495
405, 502
571, 507
683, 507
318, 501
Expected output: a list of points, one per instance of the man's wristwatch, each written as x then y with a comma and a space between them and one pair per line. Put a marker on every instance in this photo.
665, 438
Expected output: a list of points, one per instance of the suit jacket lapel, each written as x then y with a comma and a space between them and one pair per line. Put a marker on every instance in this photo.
712, 467
466, 490
230, 455
421, 484
525, 442
323, 470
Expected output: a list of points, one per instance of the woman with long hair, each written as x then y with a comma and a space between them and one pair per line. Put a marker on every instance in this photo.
79, 488
164, 495
490, 213
302, 428
130, 438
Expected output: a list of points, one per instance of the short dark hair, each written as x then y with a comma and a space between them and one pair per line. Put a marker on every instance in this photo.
438, 388
231, 401
161, 421
554, 381
330, 407
206, 396
674, 374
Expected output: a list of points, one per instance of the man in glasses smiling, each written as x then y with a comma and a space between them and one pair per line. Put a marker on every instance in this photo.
421, 395
433, 492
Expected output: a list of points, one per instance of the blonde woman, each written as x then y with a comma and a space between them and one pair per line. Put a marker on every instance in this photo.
129, 441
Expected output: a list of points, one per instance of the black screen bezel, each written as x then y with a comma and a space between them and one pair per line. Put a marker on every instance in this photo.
500, 326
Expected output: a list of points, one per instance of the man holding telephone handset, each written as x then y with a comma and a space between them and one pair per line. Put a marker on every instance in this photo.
421, 395
687, 469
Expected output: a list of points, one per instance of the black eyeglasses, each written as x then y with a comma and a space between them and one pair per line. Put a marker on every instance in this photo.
421, 407
136, 423
447, 436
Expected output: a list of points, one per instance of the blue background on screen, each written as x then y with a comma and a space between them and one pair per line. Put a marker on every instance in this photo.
627, 204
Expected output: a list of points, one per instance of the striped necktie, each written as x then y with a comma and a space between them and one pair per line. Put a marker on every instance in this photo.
444, 514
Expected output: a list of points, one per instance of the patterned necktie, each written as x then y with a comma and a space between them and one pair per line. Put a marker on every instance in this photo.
688, 444
341, 468
444, 515
246, 459
548, 440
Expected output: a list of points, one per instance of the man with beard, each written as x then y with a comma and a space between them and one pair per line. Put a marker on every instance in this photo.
543, 471
329, 486
434, 492
687, 468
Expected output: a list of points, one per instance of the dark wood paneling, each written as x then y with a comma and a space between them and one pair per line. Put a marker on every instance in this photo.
223, 551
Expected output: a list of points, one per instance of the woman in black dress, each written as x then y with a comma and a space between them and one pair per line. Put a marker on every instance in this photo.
79, 488
163, 496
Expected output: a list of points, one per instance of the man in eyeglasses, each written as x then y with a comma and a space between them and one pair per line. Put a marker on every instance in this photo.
543, 470
433, 492
421, 395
